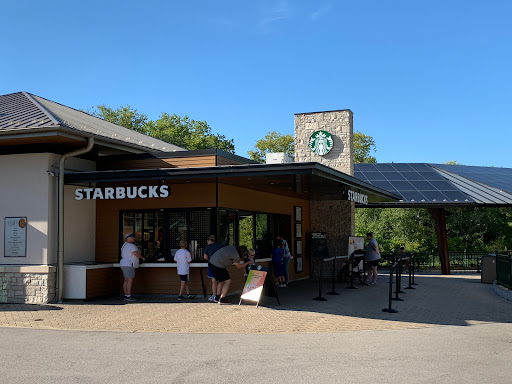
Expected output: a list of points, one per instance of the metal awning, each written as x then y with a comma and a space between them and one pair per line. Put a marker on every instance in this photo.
303, 180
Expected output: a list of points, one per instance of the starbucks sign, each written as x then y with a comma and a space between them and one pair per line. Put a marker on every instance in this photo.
321, 143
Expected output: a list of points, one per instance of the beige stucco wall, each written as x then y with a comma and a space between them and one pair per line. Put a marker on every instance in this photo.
79, 218
29, 190
24, 192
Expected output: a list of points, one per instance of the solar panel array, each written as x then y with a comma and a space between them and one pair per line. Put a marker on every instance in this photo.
500, 178
418, 183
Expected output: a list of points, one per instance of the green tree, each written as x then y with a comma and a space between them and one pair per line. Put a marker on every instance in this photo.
271, 143
363, 147
452, 162
181, 131
187, 133
124, 116
394, 227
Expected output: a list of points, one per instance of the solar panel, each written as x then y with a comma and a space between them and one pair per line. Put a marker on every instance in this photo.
413, 176
393, 176
418, 183
496, 177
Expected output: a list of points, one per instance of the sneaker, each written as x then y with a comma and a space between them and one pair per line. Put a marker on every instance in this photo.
129, 298
216, 299
212, 298
180, 298
283, 285
369, 283
191, 296
223, 300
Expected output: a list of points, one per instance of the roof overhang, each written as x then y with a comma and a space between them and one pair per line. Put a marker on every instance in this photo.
67, 138
303, 180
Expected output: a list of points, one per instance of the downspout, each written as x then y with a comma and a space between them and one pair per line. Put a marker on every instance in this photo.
60, 197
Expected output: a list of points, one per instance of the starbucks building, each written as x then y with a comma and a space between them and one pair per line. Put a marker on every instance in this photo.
77, 184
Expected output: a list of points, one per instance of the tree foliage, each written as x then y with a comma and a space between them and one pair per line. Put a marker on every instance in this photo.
453, 162
181, 131
467, 228
272, 142
413, 228
364, 145
187, 133
124, 116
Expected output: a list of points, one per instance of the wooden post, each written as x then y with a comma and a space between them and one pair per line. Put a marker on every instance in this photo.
442, 238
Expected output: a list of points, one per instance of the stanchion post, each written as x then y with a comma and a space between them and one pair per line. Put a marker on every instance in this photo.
399, 277
397, 290
320, 298
410, 274
413, 268
333, 278
351, 272
390, 295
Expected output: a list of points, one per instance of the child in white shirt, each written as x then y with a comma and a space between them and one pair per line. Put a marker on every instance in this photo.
183, 259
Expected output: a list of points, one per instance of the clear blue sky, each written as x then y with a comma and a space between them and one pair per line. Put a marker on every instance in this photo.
431, 81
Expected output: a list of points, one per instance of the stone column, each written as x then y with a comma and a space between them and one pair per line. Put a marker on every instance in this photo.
340, 125
335, 217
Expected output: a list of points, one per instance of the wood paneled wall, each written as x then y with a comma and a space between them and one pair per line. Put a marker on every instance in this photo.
170, 162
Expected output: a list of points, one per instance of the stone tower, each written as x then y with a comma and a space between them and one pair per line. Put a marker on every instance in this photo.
335, 217
340, 125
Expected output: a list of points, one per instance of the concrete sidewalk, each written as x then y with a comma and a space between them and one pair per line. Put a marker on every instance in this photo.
458, 299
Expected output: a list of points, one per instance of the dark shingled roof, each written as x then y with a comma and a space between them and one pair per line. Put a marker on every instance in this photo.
24, 111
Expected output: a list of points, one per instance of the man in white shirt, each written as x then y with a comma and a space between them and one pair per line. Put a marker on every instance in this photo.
129, 262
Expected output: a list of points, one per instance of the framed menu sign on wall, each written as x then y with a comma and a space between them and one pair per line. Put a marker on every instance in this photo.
15, 237
298, 243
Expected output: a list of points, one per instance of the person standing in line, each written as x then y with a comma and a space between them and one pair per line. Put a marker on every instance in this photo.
209, 250
277, 261
129, 262
286, 258
372, 258
218, 264
183, 259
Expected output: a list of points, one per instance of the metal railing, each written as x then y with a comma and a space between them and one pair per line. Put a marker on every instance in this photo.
504, 270
470, 260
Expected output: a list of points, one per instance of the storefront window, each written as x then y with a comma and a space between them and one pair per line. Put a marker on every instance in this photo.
263, 238
148, 230
227, 226
246, 229
177, 230
158, 241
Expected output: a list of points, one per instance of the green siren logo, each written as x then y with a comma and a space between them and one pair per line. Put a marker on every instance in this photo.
321, 142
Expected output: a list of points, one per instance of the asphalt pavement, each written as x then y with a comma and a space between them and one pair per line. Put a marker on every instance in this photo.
449, 329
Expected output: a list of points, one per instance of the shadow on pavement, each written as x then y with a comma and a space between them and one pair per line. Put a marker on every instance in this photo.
443, 300
28, 307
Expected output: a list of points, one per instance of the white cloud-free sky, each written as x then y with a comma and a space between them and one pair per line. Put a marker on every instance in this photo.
429, 80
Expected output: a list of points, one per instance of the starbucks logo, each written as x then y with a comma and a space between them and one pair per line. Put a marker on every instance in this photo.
321, 143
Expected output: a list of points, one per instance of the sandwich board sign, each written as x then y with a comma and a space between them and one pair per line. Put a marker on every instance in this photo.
254, 284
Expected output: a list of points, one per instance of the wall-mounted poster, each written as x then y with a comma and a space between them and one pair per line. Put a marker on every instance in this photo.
298, 264
15, 237
298, 247
298, 230
298, 213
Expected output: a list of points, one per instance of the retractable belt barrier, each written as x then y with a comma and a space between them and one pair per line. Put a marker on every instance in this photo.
397, 266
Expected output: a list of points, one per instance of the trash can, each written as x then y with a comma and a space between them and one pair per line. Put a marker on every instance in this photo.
488, 269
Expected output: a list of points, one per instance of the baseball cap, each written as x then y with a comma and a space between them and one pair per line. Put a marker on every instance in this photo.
129, 235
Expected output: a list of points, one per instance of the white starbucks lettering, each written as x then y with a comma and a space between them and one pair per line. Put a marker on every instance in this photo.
118, 193
357, 197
